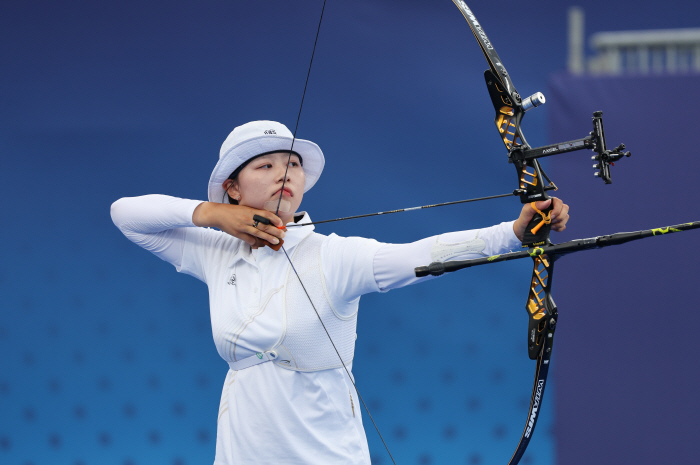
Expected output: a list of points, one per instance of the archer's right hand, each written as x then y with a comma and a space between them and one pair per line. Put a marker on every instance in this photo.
237, 220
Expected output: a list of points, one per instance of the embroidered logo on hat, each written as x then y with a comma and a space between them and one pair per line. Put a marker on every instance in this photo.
270, 131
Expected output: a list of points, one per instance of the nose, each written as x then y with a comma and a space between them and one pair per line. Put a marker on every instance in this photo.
283, 173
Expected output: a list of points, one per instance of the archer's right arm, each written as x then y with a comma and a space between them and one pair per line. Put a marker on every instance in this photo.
179, 230
158, 223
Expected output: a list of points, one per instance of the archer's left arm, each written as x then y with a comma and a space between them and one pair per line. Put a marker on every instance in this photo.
354, 266
394, 264
369, 266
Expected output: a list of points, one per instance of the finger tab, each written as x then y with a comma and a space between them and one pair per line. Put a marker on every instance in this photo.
274, 247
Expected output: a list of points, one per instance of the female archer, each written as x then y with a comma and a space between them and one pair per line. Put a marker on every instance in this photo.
288, 396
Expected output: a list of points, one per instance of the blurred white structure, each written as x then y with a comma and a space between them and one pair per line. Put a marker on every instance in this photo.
668, 51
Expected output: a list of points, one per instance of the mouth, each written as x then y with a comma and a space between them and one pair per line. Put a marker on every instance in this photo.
285, 192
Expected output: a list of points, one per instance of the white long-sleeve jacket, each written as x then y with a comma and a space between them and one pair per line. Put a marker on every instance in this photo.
269, 414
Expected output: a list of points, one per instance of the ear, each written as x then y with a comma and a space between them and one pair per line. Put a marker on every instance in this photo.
231, 187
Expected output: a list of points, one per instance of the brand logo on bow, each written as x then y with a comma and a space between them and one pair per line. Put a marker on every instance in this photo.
535, 406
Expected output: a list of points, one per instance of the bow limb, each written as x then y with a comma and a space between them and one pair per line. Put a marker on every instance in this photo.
542, 313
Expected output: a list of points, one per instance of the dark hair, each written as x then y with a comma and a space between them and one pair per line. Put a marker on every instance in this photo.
235, 173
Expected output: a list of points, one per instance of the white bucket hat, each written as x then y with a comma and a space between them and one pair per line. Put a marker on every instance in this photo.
258, 137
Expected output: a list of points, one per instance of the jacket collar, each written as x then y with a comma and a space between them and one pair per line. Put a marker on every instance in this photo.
294, 236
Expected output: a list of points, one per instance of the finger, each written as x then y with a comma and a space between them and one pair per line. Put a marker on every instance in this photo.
563, 215
257, 244
555, 210
543, 204
260, 234
250, 240
271, 230
274, 219
263, 236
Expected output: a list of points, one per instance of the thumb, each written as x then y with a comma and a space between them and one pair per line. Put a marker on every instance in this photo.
543, 204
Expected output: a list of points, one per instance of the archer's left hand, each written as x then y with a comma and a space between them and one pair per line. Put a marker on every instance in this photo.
559, 216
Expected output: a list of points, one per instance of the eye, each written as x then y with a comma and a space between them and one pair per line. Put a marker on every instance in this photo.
266, 165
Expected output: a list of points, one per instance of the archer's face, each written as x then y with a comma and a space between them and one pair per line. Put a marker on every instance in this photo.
261, 181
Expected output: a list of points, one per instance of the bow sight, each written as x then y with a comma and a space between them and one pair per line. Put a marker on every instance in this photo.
510, 109
595, 141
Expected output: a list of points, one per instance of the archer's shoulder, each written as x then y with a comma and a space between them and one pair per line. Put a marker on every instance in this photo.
334, 244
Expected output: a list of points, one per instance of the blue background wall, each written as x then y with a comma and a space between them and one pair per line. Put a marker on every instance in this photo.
108, 357
627, 377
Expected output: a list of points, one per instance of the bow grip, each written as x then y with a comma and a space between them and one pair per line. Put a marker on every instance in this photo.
537, 230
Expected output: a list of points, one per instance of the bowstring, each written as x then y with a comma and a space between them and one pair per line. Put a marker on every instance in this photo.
279, 202
303, 95
339, 357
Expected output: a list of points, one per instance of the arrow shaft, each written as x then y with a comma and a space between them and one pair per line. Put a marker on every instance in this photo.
388, 212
